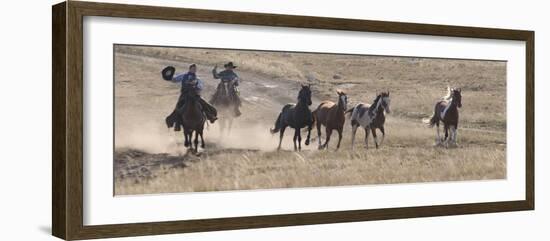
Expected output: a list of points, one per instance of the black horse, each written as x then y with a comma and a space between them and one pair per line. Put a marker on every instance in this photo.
296, 116
192, 119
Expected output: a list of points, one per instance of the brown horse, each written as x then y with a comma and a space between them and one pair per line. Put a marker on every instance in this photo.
332, 116
192, 119
226, 100
446, 111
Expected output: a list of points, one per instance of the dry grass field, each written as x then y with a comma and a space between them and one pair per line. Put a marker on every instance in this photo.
149, 158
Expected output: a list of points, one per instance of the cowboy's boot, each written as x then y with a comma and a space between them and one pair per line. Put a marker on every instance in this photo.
212, 119
177, 127
170, 120
208, 110
210, 115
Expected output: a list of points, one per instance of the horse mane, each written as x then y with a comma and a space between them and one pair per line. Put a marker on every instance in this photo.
375, 102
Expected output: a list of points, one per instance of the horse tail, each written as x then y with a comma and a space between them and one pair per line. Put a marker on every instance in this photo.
433, 119
349, 112
314, 117
278, 124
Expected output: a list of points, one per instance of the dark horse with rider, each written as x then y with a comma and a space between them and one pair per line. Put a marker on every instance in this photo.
226, 95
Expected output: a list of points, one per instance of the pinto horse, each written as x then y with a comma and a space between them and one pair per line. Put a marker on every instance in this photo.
296, 116
370, 117
192, 119
332, 116
446, 111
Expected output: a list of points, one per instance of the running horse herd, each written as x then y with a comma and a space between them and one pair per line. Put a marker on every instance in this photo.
330, 115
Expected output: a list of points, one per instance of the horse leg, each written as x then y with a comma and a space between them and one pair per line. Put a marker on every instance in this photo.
202, 140
190, 137
222, 127
281, 134
328, 133
455, 135
452, 138
446, 128
295, 139
191, 140
298, 132
229, 125
373, 130
319, 135
196, 141
383, 134
339, 138
353, 131
367, 138
186, 136
309, 127
438, 137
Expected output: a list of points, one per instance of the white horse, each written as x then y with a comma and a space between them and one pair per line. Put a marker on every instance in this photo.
370, 117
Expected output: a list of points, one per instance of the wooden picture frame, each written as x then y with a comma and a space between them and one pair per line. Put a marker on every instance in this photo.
67, 152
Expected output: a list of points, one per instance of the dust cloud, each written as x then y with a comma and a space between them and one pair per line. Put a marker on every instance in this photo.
153, 137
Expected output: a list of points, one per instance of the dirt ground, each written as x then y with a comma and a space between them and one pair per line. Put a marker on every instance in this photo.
149, 158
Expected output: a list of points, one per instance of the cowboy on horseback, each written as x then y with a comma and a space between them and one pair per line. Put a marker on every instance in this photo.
190, 84
446, 111
228, 86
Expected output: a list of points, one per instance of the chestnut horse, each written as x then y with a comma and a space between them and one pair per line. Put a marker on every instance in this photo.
332, 116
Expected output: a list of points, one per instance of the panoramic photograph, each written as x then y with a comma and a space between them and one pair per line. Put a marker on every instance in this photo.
191, 119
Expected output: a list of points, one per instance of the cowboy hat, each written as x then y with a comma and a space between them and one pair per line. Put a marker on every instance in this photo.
168, 73
230, 65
